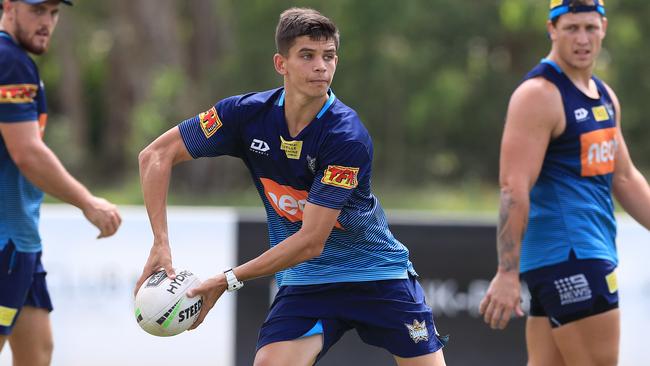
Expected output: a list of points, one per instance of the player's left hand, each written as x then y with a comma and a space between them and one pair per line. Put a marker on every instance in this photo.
210, 290
502, 300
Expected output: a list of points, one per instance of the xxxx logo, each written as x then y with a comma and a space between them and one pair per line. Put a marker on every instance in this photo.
210, 122
18, 93
341, 176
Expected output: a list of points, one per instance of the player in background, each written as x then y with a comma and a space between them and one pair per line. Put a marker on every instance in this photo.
336, 262
27, 168
562, 157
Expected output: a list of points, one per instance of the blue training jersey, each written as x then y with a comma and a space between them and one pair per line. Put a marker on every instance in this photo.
571, 206
22, 100
327, 164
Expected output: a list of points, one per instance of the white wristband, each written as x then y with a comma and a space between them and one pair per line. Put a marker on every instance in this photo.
233, 283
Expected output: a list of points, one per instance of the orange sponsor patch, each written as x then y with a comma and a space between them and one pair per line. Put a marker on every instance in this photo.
287, 201
210, 122
18, 93
341, 176
598, 152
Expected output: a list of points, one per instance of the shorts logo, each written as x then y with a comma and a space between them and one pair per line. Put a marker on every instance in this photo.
600, 113
573, 289
581, 114
291, 148
260, 146
7, 316
598, 152
418, 331
287, 201
341, 176
18, 93
612, 282
210, 122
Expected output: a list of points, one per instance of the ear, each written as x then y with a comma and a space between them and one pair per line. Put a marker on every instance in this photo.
605, 22
280, 64
551, 30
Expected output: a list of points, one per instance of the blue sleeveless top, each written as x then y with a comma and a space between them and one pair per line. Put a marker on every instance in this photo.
571, 206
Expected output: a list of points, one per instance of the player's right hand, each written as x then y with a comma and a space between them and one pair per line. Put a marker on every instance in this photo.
501, 300
160, 257
103, 215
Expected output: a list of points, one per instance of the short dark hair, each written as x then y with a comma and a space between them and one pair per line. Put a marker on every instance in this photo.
297, 22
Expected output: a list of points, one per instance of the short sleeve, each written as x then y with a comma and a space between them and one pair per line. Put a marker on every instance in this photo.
19, 89
213, 132
343, 167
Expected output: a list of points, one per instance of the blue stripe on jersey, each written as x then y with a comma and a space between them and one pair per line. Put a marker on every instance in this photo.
571, 207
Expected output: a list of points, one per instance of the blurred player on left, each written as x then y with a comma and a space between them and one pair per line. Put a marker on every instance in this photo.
28, 167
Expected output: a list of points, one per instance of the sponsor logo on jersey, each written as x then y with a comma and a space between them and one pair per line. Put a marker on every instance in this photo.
259, 147
7, 316
600, 113
598, 152
418, 331
573, 289
18, 93
210, 122
581, 114
610, 109
287, 201
341, 176
291, 148
311, 164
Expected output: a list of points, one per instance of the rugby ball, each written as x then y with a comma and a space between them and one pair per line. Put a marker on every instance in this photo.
161, 306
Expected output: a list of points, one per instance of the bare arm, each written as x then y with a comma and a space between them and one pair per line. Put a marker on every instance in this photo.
630, 187
535, 115
43, 169
305, 244
156, 162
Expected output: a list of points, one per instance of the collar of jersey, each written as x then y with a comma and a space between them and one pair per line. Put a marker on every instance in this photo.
326, 106
552, 63
7, 36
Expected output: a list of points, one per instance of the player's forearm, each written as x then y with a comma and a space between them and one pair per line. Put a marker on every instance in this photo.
296, 249
513, 219
44, 170
633, 193
155, 174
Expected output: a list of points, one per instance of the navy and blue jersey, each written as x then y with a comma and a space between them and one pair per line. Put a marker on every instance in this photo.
329, 163
22, 100
571, 206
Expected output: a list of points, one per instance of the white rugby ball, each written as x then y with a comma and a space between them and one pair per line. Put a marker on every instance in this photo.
161, 306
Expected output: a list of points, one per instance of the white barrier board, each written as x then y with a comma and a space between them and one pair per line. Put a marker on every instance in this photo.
91, 284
